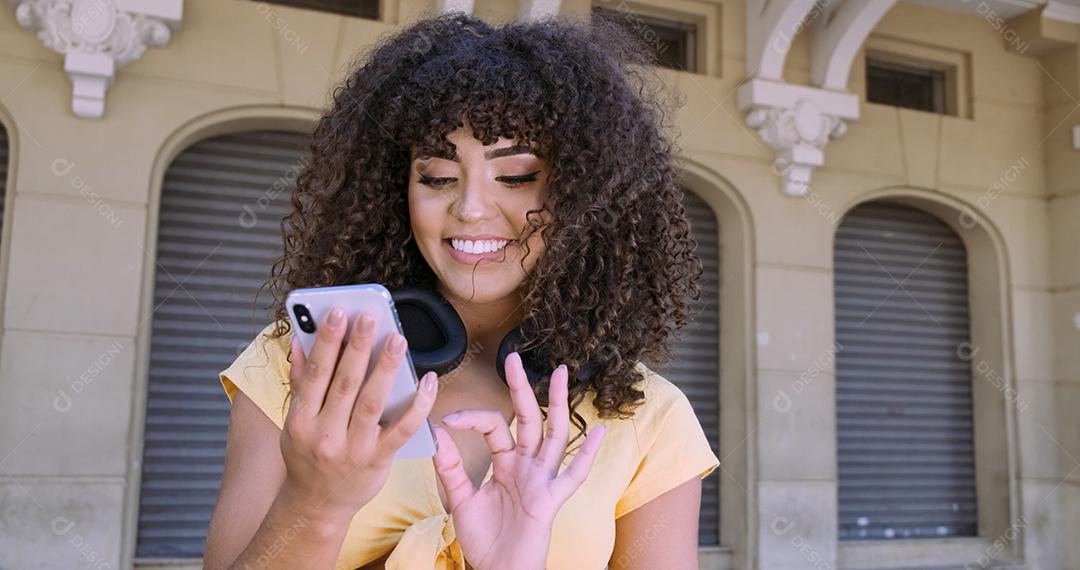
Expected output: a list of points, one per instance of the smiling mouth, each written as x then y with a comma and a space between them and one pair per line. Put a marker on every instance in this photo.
471, 251
478, 247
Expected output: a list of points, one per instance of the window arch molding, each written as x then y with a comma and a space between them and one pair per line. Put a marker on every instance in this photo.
7, 199
737, 360
993, 372
216, 123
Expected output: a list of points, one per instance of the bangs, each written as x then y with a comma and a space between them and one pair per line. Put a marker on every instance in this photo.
485, 83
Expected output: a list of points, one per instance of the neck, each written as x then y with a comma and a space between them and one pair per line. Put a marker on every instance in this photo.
487, 323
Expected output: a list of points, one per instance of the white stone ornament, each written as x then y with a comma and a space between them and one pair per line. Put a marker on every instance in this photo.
798, 136
97, 37
797, 121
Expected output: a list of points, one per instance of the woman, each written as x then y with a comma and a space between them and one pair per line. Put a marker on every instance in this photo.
522, 172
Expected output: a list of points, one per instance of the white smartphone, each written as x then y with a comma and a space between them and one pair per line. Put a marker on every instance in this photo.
308, 309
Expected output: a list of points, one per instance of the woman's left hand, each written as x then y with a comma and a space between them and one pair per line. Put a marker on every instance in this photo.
507, 522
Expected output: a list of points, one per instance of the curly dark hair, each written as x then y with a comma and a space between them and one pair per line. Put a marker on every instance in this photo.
613, 283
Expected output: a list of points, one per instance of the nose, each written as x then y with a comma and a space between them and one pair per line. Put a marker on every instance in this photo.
472, 205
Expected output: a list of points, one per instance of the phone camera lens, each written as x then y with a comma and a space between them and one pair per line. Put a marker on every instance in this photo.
303, 316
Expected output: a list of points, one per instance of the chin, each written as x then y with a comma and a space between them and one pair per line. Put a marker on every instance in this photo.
482, 289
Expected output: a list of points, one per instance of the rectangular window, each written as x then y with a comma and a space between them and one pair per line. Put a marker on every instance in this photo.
907, 86
672, 42
356, 8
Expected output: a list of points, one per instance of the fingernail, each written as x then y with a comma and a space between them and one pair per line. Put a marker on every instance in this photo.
336, 316
367, 325
451, 417
397, 345
428, 383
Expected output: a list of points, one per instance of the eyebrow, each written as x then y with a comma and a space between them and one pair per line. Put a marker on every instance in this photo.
508, 151
488, 154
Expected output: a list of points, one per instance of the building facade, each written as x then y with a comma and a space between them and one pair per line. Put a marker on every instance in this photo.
886, 197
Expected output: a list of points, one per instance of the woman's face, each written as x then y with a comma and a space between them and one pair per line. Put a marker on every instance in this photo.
468, 215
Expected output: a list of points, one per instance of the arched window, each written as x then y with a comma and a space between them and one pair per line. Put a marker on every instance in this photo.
905, 431
219, 230
695, 368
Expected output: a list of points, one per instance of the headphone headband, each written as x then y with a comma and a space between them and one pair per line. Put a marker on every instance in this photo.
438, 340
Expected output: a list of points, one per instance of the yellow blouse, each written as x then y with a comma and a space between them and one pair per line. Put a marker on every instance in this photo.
659, 448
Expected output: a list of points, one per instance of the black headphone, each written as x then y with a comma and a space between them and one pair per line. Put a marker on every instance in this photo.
438, 339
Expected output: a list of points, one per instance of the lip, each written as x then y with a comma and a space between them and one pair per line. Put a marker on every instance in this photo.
478, 237
472, 258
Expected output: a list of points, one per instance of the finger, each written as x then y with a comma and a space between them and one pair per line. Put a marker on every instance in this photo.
558, 420
296, 370
451, 472
319, 364
393, 437
492, 425
376, 389
575, 474
350, 372
529, 421
296, 358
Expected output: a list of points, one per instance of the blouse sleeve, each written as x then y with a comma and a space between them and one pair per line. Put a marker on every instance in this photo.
673, 447
261, 372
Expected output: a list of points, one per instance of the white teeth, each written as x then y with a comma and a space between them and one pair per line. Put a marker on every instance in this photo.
481, 246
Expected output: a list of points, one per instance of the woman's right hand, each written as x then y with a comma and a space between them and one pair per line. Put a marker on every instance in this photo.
336, 454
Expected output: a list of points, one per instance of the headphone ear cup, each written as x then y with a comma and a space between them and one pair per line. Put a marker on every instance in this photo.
437, 337
534, 370
535, 367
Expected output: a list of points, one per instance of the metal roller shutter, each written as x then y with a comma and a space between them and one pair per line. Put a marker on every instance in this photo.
695, 368
221, 206
903, 394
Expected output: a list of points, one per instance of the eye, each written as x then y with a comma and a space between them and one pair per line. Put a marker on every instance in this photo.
513, 181
435, 182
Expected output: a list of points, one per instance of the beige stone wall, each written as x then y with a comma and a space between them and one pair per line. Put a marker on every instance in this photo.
81, 220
